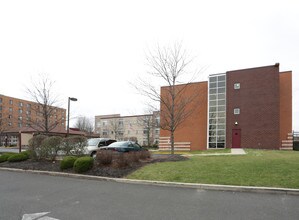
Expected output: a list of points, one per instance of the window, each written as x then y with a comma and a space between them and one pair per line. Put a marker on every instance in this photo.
20, 104
20, 111
221, 84
10, 102
0, 108
0, 100
236, 111
10, 109
217, 111
237, 86
158, 121
9, 116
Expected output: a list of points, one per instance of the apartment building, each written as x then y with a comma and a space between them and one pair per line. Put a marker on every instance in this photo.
248, 108
18, 115
144, 129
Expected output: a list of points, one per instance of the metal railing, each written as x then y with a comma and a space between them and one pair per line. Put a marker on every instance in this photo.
296, 140
296, 135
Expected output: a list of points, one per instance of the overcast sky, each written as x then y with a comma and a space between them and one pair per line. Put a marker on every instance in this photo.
93, 49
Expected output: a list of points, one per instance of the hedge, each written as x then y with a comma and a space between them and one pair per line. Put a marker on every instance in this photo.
68, 162
18, 157
5, 156
83, 164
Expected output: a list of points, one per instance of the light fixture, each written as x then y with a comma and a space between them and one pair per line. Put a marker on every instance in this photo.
68, 113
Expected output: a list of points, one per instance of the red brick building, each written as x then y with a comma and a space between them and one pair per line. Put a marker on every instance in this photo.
18, 115
249, 108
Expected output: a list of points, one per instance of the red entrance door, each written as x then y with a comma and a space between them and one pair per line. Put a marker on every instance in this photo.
236, 143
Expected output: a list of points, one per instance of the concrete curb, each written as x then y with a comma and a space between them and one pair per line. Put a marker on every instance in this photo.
286, 191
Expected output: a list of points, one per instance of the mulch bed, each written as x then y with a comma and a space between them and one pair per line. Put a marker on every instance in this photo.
105, 171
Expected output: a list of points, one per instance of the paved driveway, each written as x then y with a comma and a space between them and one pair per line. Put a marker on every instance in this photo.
9, 149
22, 194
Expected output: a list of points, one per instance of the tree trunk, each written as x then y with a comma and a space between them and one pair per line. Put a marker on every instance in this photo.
172, 142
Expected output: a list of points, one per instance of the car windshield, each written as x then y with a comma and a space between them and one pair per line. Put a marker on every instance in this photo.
93, 142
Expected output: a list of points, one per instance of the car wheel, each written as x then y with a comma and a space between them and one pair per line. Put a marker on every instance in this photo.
93, 154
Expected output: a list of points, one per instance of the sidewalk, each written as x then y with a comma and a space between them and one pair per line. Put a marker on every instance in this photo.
234, 151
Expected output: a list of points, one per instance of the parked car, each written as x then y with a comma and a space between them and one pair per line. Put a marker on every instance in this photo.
124, 146
94, 144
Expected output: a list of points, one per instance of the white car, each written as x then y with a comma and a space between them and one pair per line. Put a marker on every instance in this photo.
93, 145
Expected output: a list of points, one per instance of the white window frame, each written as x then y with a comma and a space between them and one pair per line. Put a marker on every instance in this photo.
237, 86
236, 111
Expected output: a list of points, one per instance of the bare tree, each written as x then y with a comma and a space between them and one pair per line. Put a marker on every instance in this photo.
85, 124
116, 127
148, 122
47, 118
3, 127
169, 64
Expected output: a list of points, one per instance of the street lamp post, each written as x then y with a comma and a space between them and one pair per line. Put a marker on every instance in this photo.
68, 113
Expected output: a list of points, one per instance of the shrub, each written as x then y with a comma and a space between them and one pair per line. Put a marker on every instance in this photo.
83, 164
144, 155
18, 157
74, 145
29, 153
132, 156
120, 160
50, 147
67, 162
5, 156
104, 157
35, 146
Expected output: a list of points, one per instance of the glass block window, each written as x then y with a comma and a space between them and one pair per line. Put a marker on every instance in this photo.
217, 111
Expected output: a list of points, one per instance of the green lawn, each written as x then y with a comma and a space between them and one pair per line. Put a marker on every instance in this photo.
210, 151
257, 168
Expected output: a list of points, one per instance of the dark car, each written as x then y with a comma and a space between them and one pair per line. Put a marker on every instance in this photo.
93, 145
124, 146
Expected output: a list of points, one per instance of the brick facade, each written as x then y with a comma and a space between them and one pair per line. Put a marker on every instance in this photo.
259, 103
265, 103
194, 128
285, 83
18, 113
